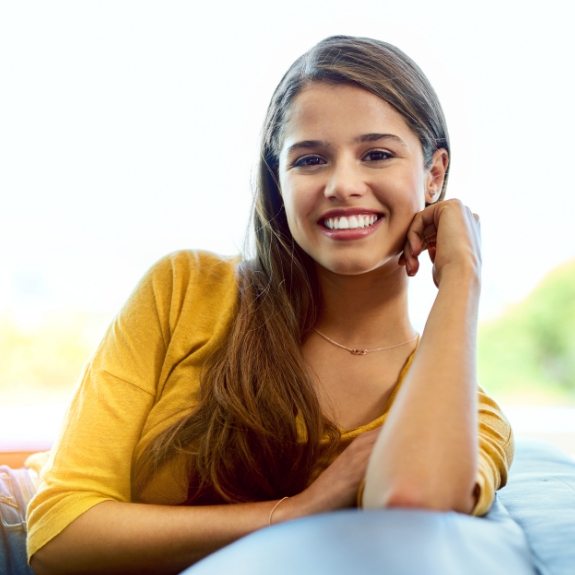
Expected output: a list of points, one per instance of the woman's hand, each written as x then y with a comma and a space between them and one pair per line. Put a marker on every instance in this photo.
337, 486
450, 233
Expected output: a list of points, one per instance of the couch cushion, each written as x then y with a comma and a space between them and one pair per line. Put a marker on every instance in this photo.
540, 497
386, 542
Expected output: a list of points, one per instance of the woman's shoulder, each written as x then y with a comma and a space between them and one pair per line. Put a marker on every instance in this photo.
182, 282
194, 261
184, 269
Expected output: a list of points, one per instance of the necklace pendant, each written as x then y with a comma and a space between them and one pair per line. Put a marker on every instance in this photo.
362, 350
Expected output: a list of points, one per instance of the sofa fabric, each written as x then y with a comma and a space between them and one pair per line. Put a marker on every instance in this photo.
540, 497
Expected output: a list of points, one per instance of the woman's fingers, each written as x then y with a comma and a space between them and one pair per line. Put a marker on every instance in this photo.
447, 230
411, 260
337, 485
421, 236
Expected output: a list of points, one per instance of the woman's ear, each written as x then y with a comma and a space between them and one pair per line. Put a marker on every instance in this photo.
436, 175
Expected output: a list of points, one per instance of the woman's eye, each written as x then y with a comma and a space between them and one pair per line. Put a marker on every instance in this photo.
308, 161
377, 155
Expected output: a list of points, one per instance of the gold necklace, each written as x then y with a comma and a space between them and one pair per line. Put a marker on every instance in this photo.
362, 351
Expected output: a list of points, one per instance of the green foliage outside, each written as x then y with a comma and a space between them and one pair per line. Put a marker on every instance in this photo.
528, 354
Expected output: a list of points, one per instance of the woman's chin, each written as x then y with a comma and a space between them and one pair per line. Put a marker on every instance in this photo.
359, 267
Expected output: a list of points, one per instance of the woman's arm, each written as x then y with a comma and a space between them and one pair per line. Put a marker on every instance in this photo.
427, 452
124, 538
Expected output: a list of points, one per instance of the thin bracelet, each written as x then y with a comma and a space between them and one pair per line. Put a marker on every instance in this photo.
274, 508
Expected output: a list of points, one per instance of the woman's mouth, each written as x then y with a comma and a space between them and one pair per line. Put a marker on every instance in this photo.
354, 222
352, 226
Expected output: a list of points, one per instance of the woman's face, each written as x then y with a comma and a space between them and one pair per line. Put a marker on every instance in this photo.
352, 177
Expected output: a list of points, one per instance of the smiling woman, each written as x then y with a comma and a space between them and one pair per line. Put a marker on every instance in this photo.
233, 393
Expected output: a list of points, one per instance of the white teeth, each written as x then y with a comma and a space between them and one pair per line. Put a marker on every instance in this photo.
351, 223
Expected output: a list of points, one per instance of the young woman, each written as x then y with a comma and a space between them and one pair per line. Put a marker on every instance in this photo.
230, 394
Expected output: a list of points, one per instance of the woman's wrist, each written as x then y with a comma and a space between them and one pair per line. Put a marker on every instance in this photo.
285, 509
274, 509
461, 277
294, 507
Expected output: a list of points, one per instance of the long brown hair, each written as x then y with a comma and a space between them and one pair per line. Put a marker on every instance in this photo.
256, 431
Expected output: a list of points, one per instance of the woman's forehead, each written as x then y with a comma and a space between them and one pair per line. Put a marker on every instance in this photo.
327, 111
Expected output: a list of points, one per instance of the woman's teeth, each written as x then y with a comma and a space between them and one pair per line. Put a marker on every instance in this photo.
350, 222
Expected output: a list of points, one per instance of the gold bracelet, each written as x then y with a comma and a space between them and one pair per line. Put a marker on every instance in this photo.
274, 508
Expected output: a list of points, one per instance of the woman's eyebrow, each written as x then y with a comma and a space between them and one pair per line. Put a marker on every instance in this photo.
307, 145
376, 137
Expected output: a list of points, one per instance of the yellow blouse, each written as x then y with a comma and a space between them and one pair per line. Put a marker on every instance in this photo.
145, 375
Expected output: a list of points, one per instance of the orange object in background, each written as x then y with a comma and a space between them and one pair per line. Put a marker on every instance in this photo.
14, 459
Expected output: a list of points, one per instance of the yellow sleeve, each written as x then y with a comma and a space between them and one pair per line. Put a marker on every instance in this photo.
495, 452
92, 460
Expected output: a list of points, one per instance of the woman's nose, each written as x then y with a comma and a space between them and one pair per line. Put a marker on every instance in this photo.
345, 181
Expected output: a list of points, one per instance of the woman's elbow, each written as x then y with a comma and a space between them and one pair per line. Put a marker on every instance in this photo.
51, 559
415, 497
41, 565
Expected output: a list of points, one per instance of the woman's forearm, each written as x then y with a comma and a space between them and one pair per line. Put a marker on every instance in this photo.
426, 454
115, 537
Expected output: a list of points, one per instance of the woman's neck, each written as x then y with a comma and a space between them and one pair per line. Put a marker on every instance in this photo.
368, 310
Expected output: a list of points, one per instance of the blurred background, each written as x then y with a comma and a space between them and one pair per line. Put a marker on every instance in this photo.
129, 130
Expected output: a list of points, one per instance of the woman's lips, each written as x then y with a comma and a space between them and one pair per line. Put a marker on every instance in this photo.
350, 225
